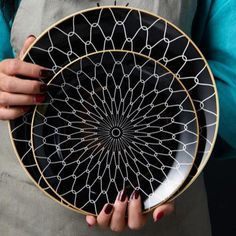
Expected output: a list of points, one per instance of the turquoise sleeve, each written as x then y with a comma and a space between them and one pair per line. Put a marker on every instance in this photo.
5, 46
219, 46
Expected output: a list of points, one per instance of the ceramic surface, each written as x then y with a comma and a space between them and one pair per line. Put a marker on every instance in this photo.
130, 29
111, 121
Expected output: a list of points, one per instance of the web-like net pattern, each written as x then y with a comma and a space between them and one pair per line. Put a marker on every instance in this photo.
115, 121
109, 28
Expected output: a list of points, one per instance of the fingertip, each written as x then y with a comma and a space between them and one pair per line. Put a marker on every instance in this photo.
157, 217
136, 218
46, 73
31, 36
39, 98
135, 201
135, 195
91, 221
28, 42
25, 109
108, 209
162, 211
43, 88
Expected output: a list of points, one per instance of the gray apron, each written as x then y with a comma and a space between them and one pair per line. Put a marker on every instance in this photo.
24, 209
34, 16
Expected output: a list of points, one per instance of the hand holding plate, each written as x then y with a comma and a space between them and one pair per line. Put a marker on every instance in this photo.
113, 216
16, 94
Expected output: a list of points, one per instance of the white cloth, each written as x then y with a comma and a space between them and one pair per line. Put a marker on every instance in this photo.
24, 209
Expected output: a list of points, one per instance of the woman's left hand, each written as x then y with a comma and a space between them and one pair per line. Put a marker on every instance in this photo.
113, 216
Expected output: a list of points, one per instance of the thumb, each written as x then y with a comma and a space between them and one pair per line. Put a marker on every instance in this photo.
28, 42
91, 220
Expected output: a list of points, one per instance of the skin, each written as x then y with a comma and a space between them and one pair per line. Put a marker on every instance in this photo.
17, 95
116, 220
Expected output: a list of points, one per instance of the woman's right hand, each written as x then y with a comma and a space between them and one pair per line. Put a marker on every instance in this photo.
16, 94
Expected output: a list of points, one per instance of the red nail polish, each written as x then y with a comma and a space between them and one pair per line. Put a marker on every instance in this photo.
31, 35
159, 216
135, 194
43, 88
25, 109
45, 73
122, 196
108, 209
39, 98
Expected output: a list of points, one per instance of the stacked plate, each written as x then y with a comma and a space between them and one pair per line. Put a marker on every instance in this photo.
132, 105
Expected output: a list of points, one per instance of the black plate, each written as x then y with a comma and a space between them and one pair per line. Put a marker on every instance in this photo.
125, 28
112, 121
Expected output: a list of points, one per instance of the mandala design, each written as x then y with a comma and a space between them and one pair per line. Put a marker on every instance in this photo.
114, 121
109, 28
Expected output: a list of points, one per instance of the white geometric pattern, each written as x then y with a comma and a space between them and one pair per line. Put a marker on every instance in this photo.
113, 121
109, 28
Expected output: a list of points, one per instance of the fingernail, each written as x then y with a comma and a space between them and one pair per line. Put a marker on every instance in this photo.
122, 196
135, 194
39, 98
25, 109
46, 73
90, 226
159, 216
108, 209
43, 88
31, 35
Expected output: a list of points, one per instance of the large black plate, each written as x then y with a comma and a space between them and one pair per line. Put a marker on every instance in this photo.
131, 29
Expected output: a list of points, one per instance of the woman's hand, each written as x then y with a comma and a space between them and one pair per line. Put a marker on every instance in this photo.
16, 94
113, 216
